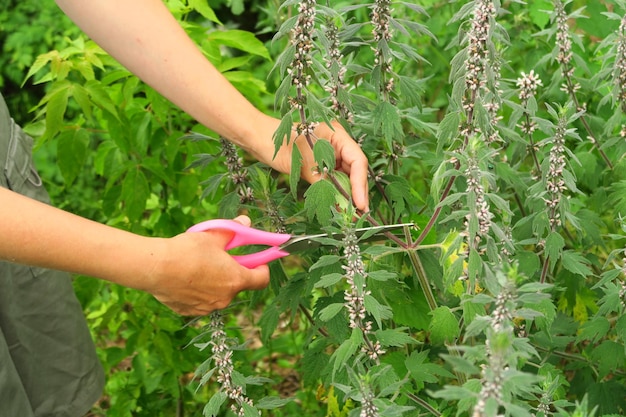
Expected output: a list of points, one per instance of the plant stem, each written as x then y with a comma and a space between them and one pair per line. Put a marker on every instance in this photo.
421, 275
424, 404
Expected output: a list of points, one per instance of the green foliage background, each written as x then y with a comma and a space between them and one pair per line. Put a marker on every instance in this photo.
113, 150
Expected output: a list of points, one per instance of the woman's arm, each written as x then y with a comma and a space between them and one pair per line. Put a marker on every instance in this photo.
144, 37
186, 272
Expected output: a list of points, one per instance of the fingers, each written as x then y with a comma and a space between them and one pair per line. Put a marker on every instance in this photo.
352, 161
255, 279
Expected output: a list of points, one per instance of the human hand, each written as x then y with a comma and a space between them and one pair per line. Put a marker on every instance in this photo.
350, 159
195, 275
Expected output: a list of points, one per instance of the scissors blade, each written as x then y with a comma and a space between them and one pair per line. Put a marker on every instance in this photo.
368, 234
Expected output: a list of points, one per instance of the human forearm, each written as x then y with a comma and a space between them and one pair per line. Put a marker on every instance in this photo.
144, 37
36, 234
191, 273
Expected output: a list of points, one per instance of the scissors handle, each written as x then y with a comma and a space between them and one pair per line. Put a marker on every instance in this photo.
244, 235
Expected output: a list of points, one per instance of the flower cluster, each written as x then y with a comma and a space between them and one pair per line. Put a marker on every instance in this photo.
278, 221
481, 208
222, 357
381, 20
619, 73
334, 63
494, 372
238, 174
354, 296
381, 16
528, 84
563, 37
368, 409
564, 45
302, 40
478, 51
555, 184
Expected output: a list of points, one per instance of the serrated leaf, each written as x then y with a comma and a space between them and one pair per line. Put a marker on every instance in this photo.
395, 337
328, 280
325, 260
444, 327
331, 311
554, 246
381, 275
347, 349
135, 193
377, 310
594, 330
387, 122
610, 356
55, 108
270, 403
240, 39
576, 263
324, 155
212, 408
202, 7
282, 135
295, 174
269, 321
423, 371
319, 200
72, 154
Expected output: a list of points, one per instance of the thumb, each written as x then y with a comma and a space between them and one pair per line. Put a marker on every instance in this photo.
244, 220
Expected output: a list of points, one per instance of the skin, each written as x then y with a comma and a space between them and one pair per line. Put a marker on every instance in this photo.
185, 272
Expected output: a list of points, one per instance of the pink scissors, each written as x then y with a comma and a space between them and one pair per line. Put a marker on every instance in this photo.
281, 244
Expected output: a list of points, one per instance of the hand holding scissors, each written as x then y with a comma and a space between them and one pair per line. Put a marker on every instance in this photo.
281, 244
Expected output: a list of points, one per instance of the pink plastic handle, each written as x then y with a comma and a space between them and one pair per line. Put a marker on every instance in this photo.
260, 258
244, 235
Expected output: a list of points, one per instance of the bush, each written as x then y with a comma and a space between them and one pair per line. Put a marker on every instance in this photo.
495, 128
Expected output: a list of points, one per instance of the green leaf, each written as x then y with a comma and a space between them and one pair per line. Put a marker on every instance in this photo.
378, 311
135, 193
423, 371
202, 7
330, 311
81, 96
444, 326
576, 263
282, 135
324, 155
594, 330
328, 280
101, 98
381, 275
610, 356
55, 108
212, 408
295, 174
347, 349
270, 403
554, 247
325, 260
40, 62
538, 12
269, 321
387, 122
242, 40
319, 200
395, 337
72, 153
